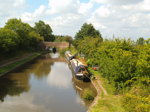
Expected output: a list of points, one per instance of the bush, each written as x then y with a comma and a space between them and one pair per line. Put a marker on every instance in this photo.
138, 98
88, 94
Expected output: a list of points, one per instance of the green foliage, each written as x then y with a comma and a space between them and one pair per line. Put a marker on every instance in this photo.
18, 26
44, 30
9, 41
17, 36
138, 98
22, 29
87, 30
87, 44
88, 94
143, 62
119, 60
35, 39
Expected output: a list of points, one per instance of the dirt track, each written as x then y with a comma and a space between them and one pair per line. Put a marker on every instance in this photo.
98, 86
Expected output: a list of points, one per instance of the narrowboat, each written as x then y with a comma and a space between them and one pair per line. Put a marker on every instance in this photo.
79, 69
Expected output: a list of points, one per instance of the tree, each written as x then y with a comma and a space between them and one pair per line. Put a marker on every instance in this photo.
9, 41
87, 30
35, 39
22, 29
140, 41
44, 30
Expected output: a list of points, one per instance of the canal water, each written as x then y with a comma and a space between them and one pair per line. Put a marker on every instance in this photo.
44, 85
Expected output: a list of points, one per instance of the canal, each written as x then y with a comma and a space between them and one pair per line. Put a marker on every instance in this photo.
44, 85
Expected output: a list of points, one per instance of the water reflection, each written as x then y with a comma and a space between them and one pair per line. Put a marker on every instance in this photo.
13, 85
41, 69
57, 77
80, 86
22, 103
45, 85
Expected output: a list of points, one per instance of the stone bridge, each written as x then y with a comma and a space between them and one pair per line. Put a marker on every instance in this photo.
60, 45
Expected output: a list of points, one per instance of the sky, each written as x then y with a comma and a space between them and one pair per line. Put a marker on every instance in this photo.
121, 18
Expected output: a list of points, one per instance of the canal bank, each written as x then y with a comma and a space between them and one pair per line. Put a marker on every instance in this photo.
13, 64
106, 100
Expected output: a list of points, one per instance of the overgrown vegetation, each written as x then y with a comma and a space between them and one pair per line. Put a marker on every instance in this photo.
123, 62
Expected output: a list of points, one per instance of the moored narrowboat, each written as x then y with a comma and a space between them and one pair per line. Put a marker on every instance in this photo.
79, 69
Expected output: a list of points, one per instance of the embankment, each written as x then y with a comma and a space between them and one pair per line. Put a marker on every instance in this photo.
10, 66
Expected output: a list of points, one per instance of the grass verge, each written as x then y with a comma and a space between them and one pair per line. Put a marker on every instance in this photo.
106, 103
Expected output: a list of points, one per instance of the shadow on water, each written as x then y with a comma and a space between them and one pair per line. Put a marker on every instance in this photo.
43, 85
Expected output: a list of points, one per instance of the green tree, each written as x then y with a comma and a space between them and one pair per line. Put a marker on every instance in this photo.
22, 29
9, 41
44, 30
87, 30
35, 40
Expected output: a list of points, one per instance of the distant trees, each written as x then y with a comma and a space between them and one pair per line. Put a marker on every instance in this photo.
61, 38
44, 30
140, 41
87, 30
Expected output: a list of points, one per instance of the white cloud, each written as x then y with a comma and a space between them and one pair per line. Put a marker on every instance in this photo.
35, 16
85, 7
62, 6
143, 6
10, 8
67, 24
102, 12
117, 2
